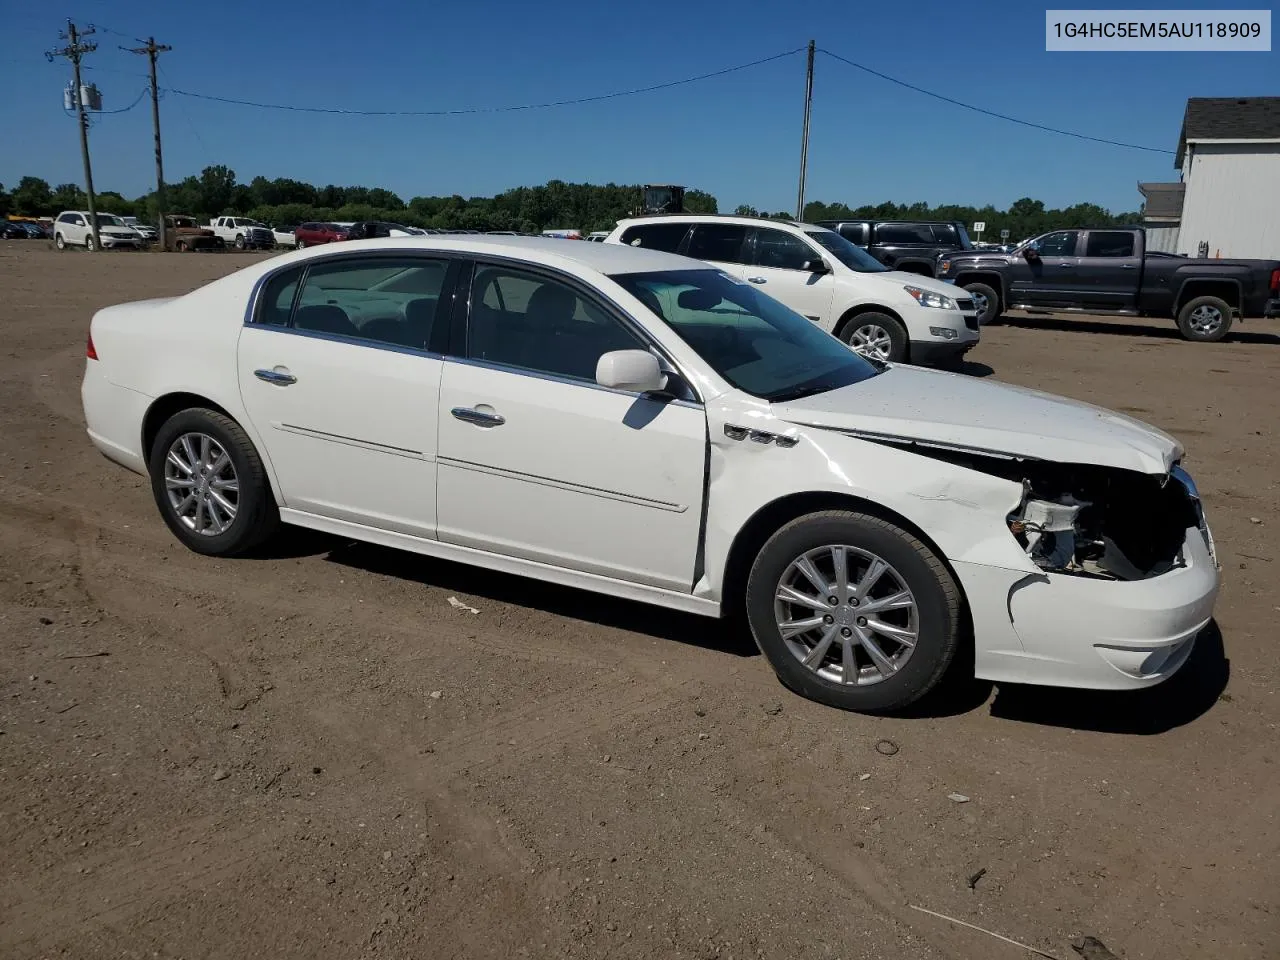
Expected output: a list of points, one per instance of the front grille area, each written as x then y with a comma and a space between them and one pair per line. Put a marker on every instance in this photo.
965, 303
971, 323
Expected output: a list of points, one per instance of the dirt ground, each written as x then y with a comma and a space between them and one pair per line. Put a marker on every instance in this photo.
314, 754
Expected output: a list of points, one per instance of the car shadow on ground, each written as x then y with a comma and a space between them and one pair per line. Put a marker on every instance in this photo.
705, 632
971, 368
1183, 698
1119, 327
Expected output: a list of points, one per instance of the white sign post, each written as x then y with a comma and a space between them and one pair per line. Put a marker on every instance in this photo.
1004, 234
978, 227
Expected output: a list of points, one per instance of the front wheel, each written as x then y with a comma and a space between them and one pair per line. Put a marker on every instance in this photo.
877, 336
299, 245
239, 242
986, 300
210, 484
852, 611
88, 244
1205, 319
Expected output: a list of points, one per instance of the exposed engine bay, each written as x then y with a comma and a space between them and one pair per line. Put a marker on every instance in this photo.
1087, 520
1102, 522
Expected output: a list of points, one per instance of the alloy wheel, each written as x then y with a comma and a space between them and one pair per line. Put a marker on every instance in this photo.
847, 615
201, 484
1206, 319
872, 340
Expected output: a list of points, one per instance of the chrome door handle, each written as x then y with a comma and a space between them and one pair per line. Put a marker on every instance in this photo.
1128, 266
756, 280
1066, 266
276, 377
478, 417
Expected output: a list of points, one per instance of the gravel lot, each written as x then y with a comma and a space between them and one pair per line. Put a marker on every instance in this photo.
314, 754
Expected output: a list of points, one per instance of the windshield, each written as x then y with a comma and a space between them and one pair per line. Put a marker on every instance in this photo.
855, 258
749, 339
965, 242
110, 220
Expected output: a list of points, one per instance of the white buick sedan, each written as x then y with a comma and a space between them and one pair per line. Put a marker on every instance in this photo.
649, 427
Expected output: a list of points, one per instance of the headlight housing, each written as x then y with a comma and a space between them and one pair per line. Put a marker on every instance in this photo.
927, 298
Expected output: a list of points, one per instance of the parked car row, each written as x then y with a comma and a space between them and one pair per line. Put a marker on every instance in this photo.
884, 314
23, 230
632, 421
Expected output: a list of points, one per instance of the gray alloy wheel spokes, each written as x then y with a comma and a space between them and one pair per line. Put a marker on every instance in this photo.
1206, 319
872, 340
980, 303
847, 615
200, 481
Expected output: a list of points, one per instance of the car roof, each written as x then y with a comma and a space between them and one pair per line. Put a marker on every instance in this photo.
605, 258
720, 218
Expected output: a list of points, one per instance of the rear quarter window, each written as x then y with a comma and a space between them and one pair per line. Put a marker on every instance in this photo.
666, 237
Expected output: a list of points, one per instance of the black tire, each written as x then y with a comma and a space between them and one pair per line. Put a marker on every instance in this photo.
256, 515
1196, 319
992, 297
59, 241
181, 246
898, 344
936, 595
299, 245
89, 244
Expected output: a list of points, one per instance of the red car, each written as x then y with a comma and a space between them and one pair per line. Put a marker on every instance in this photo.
310, 234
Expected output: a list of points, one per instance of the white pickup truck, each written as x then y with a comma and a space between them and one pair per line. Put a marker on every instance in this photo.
243, 233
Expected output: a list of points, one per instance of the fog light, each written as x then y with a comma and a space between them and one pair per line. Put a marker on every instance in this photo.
946, 333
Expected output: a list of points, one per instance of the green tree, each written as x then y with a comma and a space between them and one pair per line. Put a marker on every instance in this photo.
743, 210
699, 201
6, 201
32, 197
216, 190
69, 196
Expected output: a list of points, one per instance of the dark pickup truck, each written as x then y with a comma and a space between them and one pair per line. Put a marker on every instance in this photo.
912, 246
1109, 271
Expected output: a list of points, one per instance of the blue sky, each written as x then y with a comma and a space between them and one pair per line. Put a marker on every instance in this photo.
736, 136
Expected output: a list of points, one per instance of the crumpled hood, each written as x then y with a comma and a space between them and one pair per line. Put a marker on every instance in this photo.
912, 403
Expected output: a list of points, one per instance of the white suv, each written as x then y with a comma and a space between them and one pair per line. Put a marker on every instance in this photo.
884, 314
71, 229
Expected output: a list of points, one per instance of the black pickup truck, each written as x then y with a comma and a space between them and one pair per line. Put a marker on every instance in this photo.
912, 246
1109, 271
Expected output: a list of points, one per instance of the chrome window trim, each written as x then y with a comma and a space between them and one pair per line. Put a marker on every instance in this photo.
351, 341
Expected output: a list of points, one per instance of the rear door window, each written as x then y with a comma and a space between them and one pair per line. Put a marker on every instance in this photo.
945, 233
720, 242
1109, 243
904, 233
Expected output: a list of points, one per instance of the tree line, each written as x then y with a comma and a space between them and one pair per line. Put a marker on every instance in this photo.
553, 205
217, 192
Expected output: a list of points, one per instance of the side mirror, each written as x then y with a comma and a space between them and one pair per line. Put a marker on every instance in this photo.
816, 266
1030, 254
636, 371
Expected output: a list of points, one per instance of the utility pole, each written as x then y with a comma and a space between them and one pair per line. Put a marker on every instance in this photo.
152, 50
73, 51
804, 143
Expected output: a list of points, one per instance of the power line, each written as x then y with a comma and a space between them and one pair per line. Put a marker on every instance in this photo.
992, 113
475, 110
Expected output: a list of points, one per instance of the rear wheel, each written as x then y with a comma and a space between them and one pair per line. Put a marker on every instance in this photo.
876, 335
299, 245
210, 484
181, 246
59, 241
240, 241
1205, 319
853, 611
986, 300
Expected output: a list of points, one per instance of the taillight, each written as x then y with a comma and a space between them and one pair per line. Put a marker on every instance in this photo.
1275, 280
89, 350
